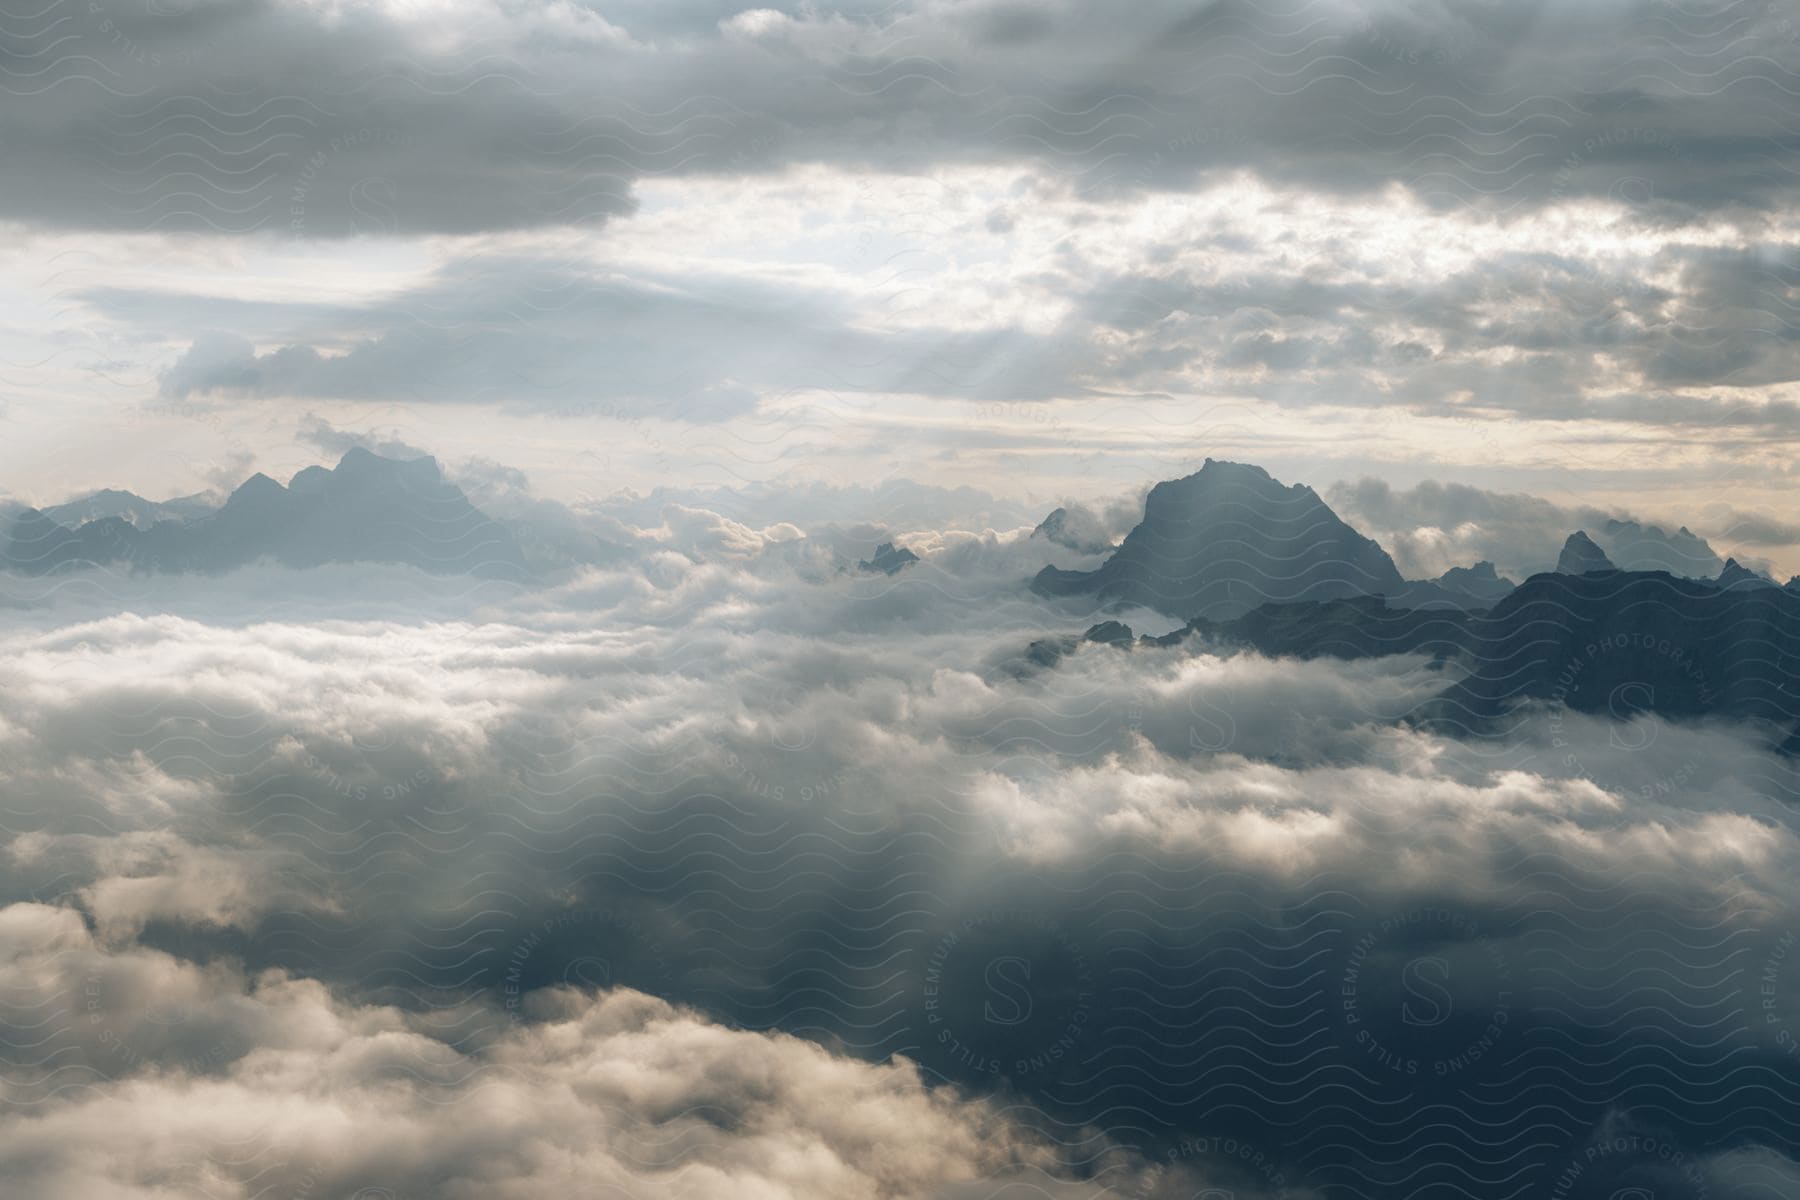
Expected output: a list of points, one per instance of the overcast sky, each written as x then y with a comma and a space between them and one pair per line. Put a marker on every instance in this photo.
1041, 248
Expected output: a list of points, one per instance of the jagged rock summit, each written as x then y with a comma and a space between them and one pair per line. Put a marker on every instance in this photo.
1736, 575
1228, 538
1618, 643
366, 509
888, 559
134, 509
1580, 555
1068, 531
1635, 547
1481, 583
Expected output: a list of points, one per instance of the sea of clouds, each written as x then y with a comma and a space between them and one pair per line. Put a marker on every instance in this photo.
723, 871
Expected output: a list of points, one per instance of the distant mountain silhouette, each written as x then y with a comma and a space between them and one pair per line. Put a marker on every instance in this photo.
1629, 641
1635, 547
1047, 652
1480, 584
366, 509
1580, 555
1066, 531
1732, 575
142, 513
1228, 538
888, 559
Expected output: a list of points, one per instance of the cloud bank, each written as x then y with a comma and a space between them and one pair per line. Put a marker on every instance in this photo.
441, 864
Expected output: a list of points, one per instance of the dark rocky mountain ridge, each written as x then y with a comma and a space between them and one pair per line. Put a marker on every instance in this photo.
1480, 584
1260, 565
1229, 538
1609, 642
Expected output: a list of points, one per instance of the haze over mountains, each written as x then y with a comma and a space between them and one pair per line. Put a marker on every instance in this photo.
1213, 545
1228, 538
672, 777
1608, 642
1221, 542
142, 513
372, 508
1580, 555
1244, 559
1270, 567
366, 509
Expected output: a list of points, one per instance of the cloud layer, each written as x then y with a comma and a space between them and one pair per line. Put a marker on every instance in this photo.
318, 846
245, 1087
483, 116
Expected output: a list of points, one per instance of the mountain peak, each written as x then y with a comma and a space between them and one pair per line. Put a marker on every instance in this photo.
1480, 583
888, 559
1052, 526
361, 462
1580, 556
1630, 546
1227, 538
369, 509
359, 458
1078, 533
1223, 468
258, 489
1736, 574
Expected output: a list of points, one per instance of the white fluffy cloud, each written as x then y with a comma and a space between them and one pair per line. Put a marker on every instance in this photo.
149, 1077
315, 844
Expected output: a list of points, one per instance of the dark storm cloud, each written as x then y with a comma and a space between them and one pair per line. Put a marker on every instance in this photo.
374, 120
1735, 323
326, 121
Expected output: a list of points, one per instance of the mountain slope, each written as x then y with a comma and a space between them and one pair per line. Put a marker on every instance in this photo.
1480, 584
1613, 642
1227, 538
366, 509
1580, 555
1635, 547
137, 511
1627, 641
